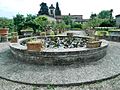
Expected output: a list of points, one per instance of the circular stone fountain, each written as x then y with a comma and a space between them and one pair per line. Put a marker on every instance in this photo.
59, 50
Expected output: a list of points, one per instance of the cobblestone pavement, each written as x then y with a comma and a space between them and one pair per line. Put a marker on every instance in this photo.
111, 84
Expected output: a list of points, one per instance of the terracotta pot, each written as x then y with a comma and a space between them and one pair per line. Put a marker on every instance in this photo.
35, 46
93, 44
3, 31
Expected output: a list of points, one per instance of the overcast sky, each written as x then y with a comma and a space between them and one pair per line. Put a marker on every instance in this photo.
9, 8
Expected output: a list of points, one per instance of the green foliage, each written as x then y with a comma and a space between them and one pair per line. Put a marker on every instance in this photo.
57, 10
19, 22
107, 23
60, 26
105, 14
29, 22
43, 33
67, 27
52, 33
42, 22
7, 23
67, 20
75, 28
43, 9
93, 16
76, 25
50, 87
53, 26
102, 33
85, 25
106, 18
92, 23
14, 34
35, 88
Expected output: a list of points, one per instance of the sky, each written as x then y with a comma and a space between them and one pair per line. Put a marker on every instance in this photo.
9, 8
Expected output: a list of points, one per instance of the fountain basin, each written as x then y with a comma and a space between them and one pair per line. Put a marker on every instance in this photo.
58, 56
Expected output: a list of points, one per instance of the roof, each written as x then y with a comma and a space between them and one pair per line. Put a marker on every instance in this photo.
72, 16
117, 15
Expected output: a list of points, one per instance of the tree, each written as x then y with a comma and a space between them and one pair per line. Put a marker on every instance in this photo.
76, 25
29, 22
67, 20
61, 25
42, 22
93, 16
111, 11
107, 23
57, 10
92, 23
19, 22
106, 17
105, 14
43, 9
7, 23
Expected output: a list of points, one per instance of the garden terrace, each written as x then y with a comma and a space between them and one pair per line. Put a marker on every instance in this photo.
66, 75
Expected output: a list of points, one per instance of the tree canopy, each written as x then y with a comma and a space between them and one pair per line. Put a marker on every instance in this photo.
19, 22
67, 20
29, 22
104, 19
105, 14
93, 16
42, 22
7, 23
57, 10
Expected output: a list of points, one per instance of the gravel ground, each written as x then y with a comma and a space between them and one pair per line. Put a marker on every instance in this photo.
111, 84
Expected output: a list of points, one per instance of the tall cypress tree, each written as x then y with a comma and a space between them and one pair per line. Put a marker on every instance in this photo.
57, 10
43, 9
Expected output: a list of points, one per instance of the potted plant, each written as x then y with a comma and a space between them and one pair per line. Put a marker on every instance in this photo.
93, 43
4, 34
27, 32
37, 45
14, 38
42, 33
3, 31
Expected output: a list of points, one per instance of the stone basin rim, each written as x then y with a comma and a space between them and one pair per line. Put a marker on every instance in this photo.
18, 46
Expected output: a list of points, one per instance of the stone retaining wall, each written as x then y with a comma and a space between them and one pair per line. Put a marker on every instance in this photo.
59, 56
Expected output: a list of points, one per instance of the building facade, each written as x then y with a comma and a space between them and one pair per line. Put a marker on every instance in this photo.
74, 18
118, 20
